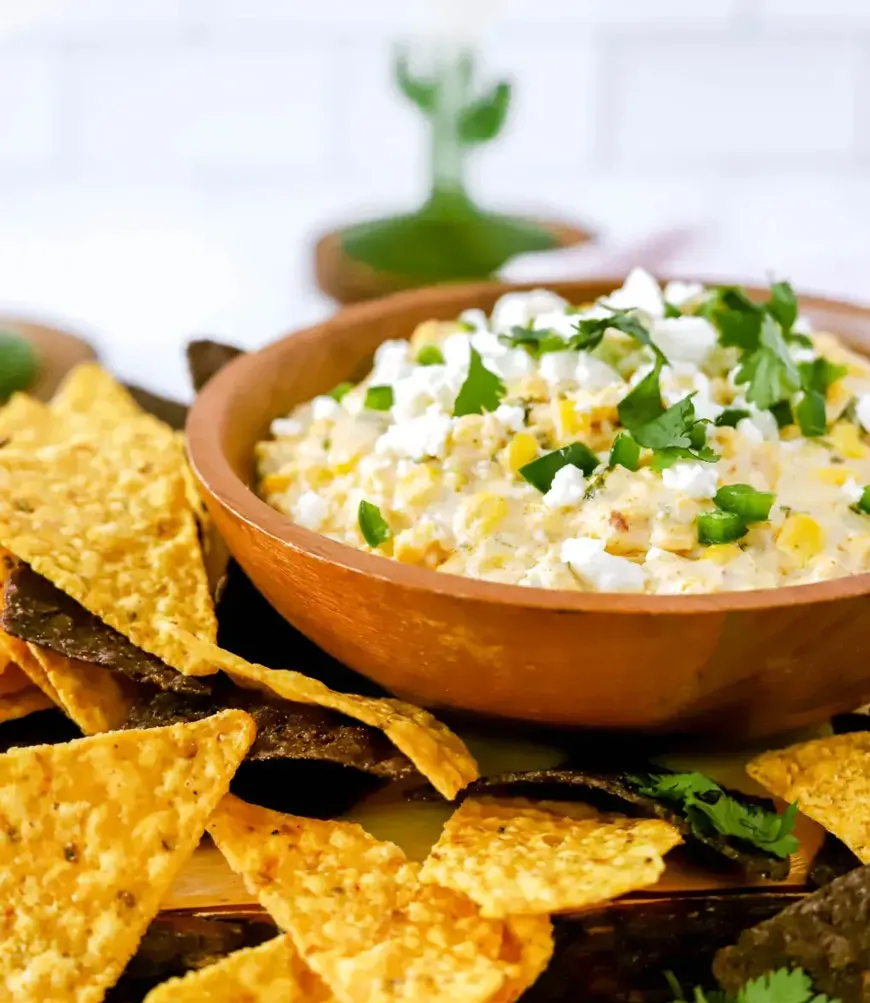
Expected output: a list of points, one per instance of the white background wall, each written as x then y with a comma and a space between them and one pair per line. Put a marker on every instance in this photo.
164, 163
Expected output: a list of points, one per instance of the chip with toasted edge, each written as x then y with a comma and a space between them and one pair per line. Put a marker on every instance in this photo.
516, 860
20, 653
92, 833
359, 915
105, 520
95, 698
830, 780
529, 943
22, 703
270, 973
439, 754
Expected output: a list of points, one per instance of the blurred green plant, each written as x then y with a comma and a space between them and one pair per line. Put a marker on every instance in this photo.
18, 365
449, 237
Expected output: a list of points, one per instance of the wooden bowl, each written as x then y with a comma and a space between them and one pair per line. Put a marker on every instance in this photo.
741, 664
57, 352
348, 281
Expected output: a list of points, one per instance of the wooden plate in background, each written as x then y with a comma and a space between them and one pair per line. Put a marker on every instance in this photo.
58, 351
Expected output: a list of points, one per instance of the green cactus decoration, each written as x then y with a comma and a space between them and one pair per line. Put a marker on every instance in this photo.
450, 237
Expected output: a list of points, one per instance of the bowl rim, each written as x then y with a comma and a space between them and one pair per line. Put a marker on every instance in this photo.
215, 473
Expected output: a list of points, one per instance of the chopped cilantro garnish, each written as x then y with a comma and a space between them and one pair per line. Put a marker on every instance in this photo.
810, 413
782, 986
782, 306
730, 417
707, 806
863, 503
481, 391
820, 374
745, 501
372, 524
672, 433
769, 369
430, 355
783, 414
735, 316
672, 311
720, 527
340, 390
540, 472
379, 398
625, 452
590, 333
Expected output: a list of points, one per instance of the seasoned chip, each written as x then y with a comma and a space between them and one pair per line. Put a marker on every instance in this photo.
437, 753
516, 860
529, 944
22, 703
24, 658
92, 833
12, 679
359, 915
90, 390
830, 780
105, 519
90, 695
23, 418
270, 973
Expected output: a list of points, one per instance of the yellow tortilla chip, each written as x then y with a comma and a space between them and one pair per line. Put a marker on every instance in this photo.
95, 698
528, 944
19, 651
92, 833
23, 418
105, 520
830, 780
89, 389
12, 680
22, 703
270, 973
438, 754
516, 860
358, 913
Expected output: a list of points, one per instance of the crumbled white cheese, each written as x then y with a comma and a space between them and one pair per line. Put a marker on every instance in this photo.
417, 438
558, 367
682, 378
852, 491
475, 318
423, 387
391, 363
594, 374
519, 309
760, 426
566, 488
310, 510
685, 339
512, 365
544, 575
639, 292
802, 325
862, 411
677, 293
325, 407
281, 427
696, 480
512, 416
456, 349
590, 562
802, 353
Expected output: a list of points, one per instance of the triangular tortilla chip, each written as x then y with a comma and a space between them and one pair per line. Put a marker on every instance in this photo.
513, 859
19, 651
12, 679
92, 833
22, 703
23, 418
90, 390
105, 519
358, 913
830, 780
270, 973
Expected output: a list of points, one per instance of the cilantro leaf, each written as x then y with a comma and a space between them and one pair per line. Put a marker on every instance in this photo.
372, 524
730, 417
782, 986
481, 391
735, 316
820, 374
536, 342
811, 415
769, 370
782, 306
707, 806
672, 311
625, 452
643, 403
540, 472
590, 333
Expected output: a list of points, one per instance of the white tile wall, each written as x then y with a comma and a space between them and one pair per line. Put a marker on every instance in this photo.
165, 163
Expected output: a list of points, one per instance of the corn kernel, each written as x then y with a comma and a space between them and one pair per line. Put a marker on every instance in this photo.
484, 511
800, 538
468, 430
417, 487
837, 398
430, 332
836, 475
522, 449
419, 546
847, 441
790, 432
275, 483
727, 440
722, 553
533, 388
571, 422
